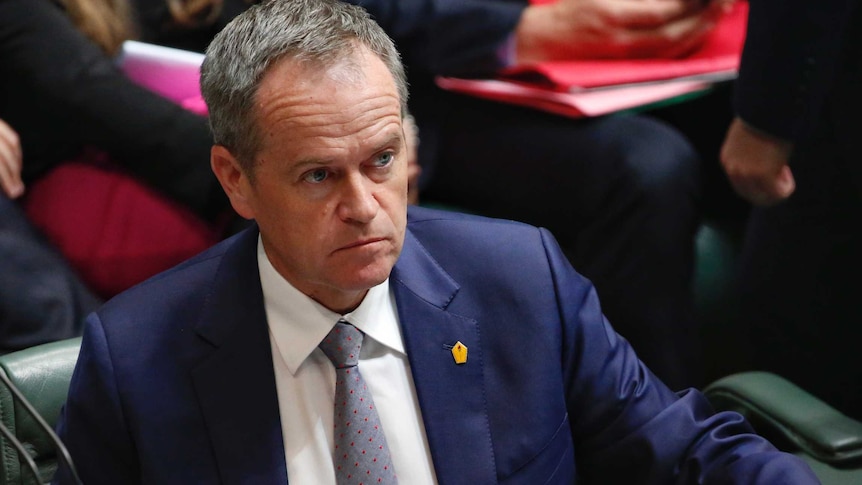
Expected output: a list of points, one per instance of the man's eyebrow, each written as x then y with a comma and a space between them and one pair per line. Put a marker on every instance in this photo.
394, 139
306, 162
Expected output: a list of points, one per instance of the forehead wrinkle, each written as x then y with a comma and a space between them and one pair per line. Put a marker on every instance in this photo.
309, 102
394, 137
313, 86
327, 120
326, 144
367, 140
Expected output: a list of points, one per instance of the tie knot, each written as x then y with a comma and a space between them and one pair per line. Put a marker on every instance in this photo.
342, 345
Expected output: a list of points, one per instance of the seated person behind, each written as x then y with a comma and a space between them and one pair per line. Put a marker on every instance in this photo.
41, 298
481, 362
117, 177
64, 93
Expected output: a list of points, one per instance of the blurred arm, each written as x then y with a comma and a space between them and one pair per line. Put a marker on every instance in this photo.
448, 37
790, 57
567, 29
756, 164
64, 93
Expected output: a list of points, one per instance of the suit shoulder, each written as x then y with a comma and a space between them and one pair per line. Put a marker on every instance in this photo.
455, 239
183, 281
424, 219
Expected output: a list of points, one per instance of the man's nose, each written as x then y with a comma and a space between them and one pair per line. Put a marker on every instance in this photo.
358, 202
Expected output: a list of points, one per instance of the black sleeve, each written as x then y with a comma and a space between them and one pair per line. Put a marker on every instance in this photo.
434, 36
61, 93
449, 37
789, 62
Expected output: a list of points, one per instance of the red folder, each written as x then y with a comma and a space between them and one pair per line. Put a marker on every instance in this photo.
719, 54
571, 87
575, 105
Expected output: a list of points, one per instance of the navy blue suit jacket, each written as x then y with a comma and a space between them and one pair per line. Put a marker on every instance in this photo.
175, 381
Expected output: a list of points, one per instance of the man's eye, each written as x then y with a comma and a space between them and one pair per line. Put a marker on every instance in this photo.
384, 159
316, 176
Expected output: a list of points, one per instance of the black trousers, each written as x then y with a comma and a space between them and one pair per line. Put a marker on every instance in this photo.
620, 193
801, 292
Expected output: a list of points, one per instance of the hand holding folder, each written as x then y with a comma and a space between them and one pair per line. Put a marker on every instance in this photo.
572, 87
614, 29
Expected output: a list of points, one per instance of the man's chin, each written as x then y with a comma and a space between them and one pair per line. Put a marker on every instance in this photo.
367, 276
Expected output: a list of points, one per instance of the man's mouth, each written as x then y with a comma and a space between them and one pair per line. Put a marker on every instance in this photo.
362, 242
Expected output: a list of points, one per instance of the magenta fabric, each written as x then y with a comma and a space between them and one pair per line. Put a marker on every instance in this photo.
114, 230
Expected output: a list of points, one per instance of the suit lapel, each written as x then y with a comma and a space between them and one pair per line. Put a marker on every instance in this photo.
451, 396
236, 385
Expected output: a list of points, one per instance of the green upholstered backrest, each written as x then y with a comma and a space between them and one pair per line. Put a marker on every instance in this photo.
42, 374
795, 421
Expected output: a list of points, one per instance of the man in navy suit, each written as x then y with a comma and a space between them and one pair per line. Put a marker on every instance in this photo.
621, 193
486, 354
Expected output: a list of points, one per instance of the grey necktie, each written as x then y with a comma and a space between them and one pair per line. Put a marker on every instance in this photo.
361, 455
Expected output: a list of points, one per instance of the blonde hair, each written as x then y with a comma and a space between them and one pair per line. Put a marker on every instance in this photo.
195, 13
108, 23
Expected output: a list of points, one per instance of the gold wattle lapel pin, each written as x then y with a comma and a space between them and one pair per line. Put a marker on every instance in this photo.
459, 352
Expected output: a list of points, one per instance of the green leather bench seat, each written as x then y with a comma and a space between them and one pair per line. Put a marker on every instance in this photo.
42, 374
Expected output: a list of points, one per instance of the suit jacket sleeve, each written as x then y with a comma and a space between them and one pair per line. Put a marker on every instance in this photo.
92, 424
449, 37
622, 414
789, 62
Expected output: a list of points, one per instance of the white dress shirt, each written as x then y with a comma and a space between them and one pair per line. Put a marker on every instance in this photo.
305, 380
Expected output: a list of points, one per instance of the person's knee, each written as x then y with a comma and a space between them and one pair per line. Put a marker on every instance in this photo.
659, 163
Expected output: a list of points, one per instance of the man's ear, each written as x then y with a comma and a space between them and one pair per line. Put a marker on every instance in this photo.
233, 180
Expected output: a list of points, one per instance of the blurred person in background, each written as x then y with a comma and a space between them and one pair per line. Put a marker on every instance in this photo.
62, 92
116, 177
41, 297
793, 151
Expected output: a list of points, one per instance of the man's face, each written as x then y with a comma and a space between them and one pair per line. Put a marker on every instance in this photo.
329, 189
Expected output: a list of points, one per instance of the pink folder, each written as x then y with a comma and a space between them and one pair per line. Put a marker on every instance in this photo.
171, 73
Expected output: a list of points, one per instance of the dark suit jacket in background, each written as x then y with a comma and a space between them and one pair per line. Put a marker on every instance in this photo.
801, 80
797, 53
175, 383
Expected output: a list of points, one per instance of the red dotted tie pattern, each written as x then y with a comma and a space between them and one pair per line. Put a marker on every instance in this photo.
361, 456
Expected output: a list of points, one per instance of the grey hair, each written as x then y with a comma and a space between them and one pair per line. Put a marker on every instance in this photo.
320, 31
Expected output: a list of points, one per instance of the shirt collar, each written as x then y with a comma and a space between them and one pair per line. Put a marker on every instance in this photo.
298, 323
